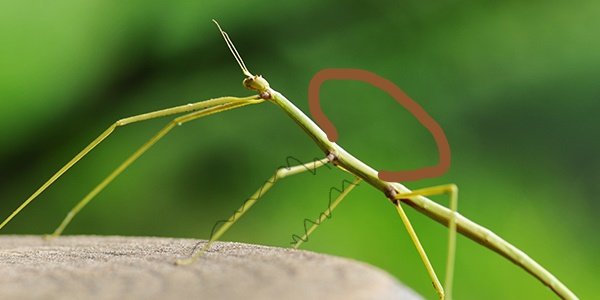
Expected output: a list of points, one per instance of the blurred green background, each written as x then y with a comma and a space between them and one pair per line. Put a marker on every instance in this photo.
514, 85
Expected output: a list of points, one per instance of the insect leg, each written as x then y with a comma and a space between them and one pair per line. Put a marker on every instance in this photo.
141, 150
452, 191
280, 173
109, 130
326, 214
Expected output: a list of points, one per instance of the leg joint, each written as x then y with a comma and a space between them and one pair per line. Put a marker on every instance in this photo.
331, 157
453, 188
281, 172
391, 194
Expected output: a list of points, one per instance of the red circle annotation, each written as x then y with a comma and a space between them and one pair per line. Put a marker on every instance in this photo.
393, 90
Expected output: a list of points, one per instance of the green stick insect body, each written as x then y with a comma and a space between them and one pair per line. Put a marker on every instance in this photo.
334, 154
441, 214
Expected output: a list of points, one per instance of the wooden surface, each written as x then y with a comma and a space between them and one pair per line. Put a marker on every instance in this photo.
92, 267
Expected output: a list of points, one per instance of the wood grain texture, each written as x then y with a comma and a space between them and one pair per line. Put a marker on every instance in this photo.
93, 267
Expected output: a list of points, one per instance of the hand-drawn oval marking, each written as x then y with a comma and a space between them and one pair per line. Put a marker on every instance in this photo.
393, 90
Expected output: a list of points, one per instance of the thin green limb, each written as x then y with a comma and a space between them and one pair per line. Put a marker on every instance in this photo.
452, 191
413, 236
122, 122
327, 213
231, 104
279, 174
60, 172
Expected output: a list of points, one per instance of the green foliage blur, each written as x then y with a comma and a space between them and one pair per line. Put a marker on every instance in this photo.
514, 84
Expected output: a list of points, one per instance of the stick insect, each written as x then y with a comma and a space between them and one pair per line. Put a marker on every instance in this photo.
334, 155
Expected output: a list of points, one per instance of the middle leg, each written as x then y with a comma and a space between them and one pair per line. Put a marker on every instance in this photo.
297, 240
225, 224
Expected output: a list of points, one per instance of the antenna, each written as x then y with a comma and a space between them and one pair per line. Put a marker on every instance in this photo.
236, 55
